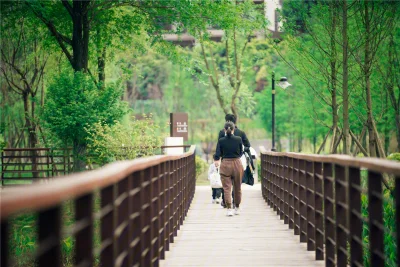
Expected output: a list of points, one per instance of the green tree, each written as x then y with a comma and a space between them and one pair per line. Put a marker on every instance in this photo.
74, 103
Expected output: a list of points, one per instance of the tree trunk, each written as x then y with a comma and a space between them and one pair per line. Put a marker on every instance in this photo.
345, 94
398, 131
367, 62
324, 141
101, 64
79, 151
333, 74
300, 142
80, 35
32, 137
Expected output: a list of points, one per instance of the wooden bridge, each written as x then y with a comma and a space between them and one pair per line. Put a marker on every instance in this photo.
149, 212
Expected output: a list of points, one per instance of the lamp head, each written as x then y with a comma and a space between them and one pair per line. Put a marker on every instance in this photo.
283, 83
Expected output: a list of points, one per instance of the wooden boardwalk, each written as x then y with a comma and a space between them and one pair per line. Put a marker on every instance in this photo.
256, 237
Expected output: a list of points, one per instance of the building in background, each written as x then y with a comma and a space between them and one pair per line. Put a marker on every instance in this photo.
271, 13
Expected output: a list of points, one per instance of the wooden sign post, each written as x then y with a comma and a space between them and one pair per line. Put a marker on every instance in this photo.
179, 125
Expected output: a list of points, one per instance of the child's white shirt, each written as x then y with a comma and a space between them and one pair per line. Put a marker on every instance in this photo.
212, 169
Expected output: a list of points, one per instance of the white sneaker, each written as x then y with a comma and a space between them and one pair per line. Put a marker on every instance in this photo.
237, 211
217, 201
229, 212
213, 201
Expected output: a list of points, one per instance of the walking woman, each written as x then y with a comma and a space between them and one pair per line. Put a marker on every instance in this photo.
230, 149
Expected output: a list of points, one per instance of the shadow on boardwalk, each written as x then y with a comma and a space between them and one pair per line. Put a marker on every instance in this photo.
256, 237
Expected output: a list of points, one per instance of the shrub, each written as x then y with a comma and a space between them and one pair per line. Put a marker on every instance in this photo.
201, 166
137, 138
394, 156
73, 103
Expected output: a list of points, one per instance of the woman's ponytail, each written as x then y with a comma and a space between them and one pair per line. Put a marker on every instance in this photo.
229, 128
229, 132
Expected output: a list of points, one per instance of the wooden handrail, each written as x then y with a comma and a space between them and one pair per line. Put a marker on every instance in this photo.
40, 196
373, 164
323, 199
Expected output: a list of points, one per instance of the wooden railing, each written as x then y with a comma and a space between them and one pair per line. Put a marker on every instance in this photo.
34, 163
142, 205
320, 198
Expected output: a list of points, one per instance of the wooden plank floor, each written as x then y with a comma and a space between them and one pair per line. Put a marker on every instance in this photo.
256, 237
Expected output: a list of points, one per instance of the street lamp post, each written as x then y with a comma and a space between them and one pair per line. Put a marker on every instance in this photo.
273, 112
283, 83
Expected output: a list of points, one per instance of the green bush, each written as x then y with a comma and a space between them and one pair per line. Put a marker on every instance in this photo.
201, 166
394, 156
137, 138
74, 103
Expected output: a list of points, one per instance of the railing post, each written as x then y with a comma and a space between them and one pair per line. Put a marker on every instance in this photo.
397, 196
162, 210
49, 251
375, 211
319, 214
303, 201
121, 230
281, 184
310, 191
329, 216
145, 217
268, 181
4, 243
341, 204
84, 237
296, 188
263, 183
355, 218
107, 254
291, 193
155, 215
286, 189
180, 188
171, 200
167, 208
176, 199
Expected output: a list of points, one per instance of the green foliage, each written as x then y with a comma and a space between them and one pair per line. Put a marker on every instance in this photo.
201, 166
74, 103
394, 156
137, 138
389, 222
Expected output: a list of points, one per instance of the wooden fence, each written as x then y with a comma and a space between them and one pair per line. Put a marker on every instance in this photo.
320, 197
143, 204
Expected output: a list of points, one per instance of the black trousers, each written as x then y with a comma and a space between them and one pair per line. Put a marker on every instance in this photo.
216, 192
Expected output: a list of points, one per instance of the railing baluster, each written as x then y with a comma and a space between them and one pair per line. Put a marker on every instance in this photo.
329, 231
122, 225
171, 201
397, 196
296, 194
319, 215
341, 206
310, 191
291, 193
355, 220
84, 237
375, 211
155, 214
4, 243
49, 251
145, 217
107, 254
303, 201
286, 189
162, 210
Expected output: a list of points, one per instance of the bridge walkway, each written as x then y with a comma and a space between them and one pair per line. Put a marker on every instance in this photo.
256, 237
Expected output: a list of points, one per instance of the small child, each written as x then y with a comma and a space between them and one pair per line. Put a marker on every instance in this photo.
216, 192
